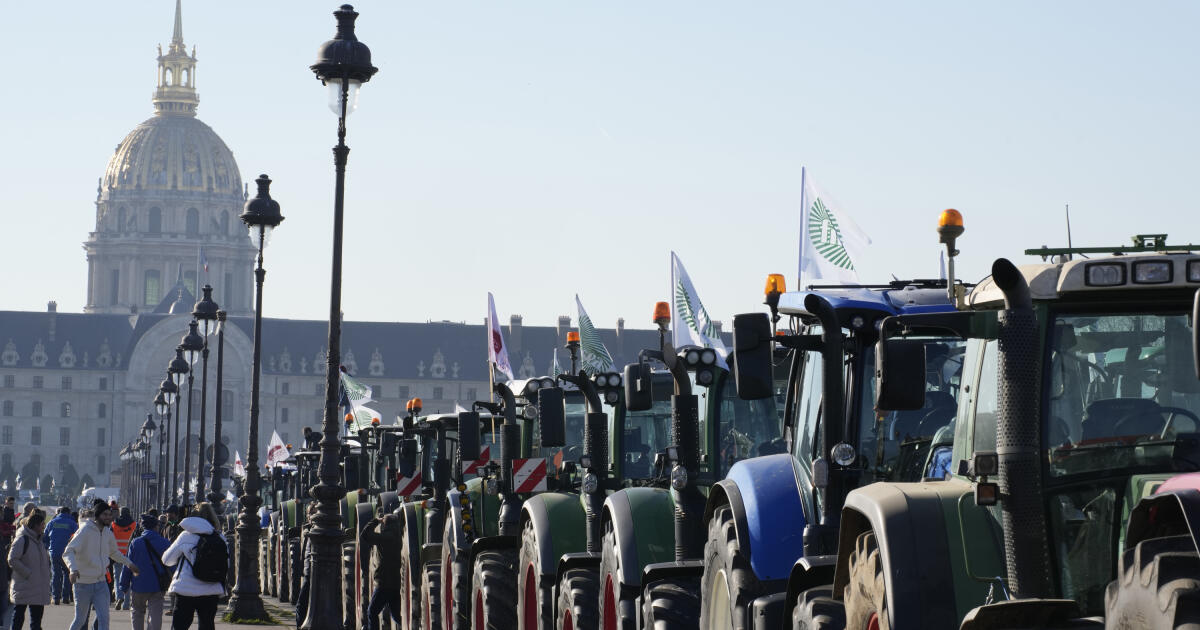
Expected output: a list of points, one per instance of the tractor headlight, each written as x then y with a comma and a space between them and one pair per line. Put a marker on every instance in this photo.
679, 477
843, 454
704, 377
1105, 274
611, 396
1193, 270
601, 380
614, 380
590, 483
530, 412
1152, 272
691, 357
708, 357
533, 385
547, 383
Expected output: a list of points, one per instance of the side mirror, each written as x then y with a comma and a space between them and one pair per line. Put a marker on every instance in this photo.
407, 464
639, 392
387, 444
552, 417
468, 435
899, 374
752, 356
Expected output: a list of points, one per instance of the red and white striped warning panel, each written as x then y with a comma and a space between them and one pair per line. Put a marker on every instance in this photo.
529, 475
405, 486
472, 468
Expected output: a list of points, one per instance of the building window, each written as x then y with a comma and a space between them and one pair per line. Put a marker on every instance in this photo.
193, 221
6, 434
37, 382
227, 399
121, 219
64, 436
376, 392
100, 468
318, 389
155, 221
66, 382
404, 392
102, 411
10, 380
35, 436
283, 415
437, 393
114, 286
153, 287
64, 460
103, 383
471, 393
283, 388
6, 459
100, 436
8, 407
37, 409
64, 410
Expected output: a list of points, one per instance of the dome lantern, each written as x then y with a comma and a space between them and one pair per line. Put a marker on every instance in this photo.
176, 92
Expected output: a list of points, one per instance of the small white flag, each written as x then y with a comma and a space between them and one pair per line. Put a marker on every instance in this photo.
239, 469
593, 355
459, 408
830, 241
497, 351
555, 366
690, 323
277, 451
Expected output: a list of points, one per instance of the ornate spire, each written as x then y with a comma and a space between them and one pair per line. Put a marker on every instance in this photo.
176, 93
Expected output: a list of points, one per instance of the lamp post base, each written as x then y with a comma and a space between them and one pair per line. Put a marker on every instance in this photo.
245, 603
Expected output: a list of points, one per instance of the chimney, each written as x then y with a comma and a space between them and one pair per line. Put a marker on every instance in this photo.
716, 324
52, 309
514, 333
560, 330
620, 349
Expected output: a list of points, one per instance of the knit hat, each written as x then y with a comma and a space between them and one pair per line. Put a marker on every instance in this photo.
149, 521
100, 506
172, 509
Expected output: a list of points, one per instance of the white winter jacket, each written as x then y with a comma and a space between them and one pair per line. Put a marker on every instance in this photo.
90, 550
184, 548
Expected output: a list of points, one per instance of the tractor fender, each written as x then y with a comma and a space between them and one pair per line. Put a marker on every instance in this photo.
412, 529
913, 525
390, 501
290, 514
487, 543
454, 520
558, 520
643, 520
808, 572
1175, 512
768, 513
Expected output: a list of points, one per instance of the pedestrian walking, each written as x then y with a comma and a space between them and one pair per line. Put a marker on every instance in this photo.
87, 557
30, 563
58, 533
172, 530
123, 528
384, 535
201, 560
148, 588
7, 533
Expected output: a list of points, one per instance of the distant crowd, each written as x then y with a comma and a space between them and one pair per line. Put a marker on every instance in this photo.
174, 563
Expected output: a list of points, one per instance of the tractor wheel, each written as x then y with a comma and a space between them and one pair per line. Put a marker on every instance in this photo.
1157, 587
729, 584
295, 566
410, 599
431, 602
816, 609
494, 590
671, 603
578, 597
866, 594
456, 585
615, 613
535, 606
285, 585
349, 584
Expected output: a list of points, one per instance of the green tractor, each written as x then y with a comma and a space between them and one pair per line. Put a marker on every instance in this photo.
287, 521
1074, 500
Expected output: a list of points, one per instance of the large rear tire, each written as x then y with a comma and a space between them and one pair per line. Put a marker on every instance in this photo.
616, 612
494, 590
1157, 587
535, 605
866, 593
671, 604
816, 609
431, 602
578, 600
285, 585
349, 584
410, 582
456, 584
728, 585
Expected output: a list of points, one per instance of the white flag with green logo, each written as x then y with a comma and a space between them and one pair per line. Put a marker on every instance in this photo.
358, 395
593, 355
690, 323
831, 243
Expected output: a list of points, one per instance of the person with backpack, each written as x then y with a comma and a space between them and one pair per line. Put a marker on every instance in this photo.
87, 557
58, 533
123, 528
30, 563
146, 552
202, 561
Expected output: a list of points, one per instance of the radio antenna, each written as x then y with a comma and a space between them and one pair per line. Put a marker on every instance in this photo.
1069, 244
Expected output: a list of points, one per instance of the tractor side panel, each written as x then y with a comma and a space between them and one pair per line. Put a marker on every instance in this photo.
770, 515
643, 520
559, 521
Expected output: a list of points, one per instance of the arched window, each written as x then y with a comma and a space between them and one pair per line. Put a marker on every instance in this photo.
169, 76
64, 410
187, 77
153, 288
193, 221
155, 221
102, 411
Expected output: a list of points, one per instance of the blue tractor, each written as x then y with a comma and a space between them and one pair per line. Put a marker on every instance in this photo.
772, 523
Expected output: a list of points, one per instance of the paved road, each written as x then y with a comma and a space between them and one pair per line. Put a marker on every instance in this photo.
59, 618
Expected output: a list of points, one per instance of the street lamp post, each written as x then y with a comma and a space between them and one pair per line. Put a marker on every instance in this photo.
205, 313
261, 215
148, 431
192, 345
214, 480
164, 418
124, 456
343, 65
170, 390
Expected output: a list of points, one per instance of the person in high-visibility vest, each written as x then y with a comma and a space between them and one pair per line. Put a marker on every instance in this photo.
123, 528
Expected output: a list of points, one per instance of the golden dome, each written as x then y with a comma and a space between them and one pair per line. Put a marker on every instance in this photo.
173, 152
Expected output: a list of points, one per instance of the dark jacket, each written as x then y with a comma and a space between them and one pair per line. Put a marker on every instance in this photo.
149, 564
386, 540
59, 532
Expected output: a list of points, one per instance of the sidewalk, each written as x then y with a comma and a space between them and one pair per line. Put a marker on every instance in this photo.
59, 617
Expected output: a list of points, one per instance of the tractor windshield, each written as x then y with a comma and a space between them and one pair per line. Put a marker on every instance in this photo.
1122, 394
748, 428
646, 433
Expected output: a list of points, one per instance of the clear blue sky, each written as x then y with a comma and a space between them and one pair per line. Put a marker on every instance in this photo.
539, 149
